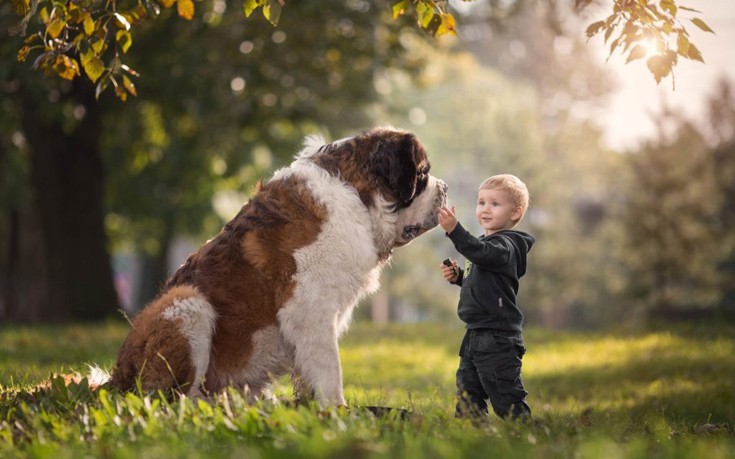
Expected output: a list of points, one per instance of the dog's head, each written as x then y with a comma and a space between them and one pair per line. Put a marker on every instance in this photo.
389, 169
399, 164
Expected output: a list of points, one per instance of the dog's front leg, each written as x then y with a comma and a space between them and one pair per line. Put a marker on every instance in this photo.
316, 353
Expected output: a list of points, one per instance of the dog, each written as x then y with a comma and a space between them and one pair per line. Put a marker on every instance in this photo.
272, 293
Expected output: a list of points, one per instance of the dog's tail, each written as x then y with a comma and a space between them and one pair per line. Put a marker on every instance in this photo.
98, 377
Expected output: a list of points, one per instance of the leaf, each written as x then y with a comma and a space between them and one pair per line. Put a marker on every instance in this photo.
682, 45
88, 24
272, 12
23, 53
669, 6
251, 5
93, 67
694, 54
400, 8
167, 3
686, 8
660, 65
448, 25
185, 9
55, 27
129, 86
594, 28
66, 67
425, 15
101, 86
124, 40
637, 52
702, 25
123, 21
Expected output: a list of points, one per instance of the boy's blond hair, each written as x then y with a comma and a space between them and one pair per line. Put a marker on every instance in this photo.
513, 186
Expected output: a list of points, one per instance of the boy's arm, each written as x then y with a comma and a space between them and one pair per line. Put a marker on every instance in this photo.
493, 253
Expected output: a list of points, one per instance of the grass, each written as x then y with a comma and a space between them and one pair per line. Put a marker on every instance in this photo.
662, 393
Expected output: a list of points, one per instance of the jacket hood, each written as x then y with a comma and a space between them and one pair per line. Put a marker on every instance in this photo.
523, 243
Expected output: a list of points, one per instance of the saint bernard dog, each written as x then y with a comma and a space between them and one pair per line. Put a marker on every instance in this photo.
274, 290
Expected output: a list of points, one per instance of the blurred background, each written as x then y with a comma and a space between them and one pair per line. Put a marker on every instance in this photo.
632, 183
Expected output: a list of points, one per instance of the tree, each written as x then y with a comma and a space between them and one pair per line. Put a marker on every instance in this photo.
220, 92
92, 38
671, 220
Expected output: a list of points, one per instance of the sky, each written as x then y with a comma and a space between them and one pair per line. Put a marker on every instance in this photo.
627, 121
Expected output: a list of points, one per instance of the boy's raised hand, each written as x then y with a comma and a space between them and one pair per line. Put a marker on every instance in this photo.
447, 218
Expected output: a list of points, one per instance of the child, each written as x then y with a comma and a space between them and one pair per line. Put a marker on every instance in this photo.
492, 348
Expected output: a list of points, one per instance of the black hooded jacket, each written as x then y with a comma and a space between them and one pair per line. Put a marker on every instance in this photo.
489, 279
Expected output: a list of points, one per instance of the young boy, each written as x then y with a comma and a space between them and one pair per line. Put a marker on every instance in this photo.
492, 349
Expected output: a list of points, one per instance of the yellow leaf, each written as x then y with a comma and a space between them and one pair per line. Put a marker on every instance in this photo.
23, 53
594, 28
702, 25
129, 86
93, 67
399, 8
448, 25
66, 67
88, 24
167, 3
186, 9
693, 53
682, 45
250, 6
55, 27
124, 40
637, 52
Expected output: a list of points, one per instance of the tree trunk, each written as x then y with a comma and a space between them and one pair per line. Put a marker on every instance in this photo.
68, 181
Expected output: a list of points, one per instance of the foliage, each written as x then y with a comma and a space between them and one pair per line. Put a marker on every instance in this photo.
72, 36
661, 393
649, 27
673, 240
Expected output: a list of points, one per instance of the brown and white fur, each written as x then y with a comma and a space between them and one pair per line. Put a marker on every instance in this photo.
274, 290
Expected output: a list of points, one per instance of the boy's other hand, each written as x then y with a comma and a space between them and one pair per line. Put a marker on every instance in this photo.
450, 273
447, 218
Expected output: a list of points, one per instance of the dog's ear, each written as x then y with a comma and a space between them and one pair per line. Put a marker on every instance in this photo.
394, 161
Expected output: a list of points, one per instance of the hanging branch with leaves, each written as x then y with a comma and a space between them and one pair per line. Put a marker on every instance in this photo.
90, 38
649, 28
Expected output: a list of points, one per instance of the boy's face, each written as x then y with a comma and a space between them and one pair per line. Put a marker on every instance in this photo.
496, 210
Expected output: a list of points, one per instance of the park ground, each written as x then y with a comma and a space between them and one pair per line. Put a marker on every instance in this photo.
664, 392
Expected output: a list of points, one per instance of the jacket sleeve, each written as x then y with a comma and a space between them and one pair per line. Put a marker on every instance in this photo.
492, 253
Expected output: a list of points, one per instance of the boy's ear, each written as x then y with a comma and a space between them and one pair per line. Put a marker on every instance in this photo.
517, 214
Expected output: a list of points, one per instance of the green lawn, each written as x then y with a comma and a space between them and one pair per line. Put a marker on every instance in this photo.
666, 393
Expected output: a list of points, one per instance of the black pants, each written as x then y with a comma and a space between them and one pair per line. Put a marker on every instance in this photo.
490, 369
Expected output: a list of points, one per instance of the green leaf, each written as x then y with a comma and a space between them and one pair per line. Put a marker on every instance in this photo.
272, 12
637, 52
702, 25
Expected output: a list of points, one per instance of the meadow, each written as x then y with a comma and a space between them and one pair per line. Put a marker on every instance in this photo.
665, 393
